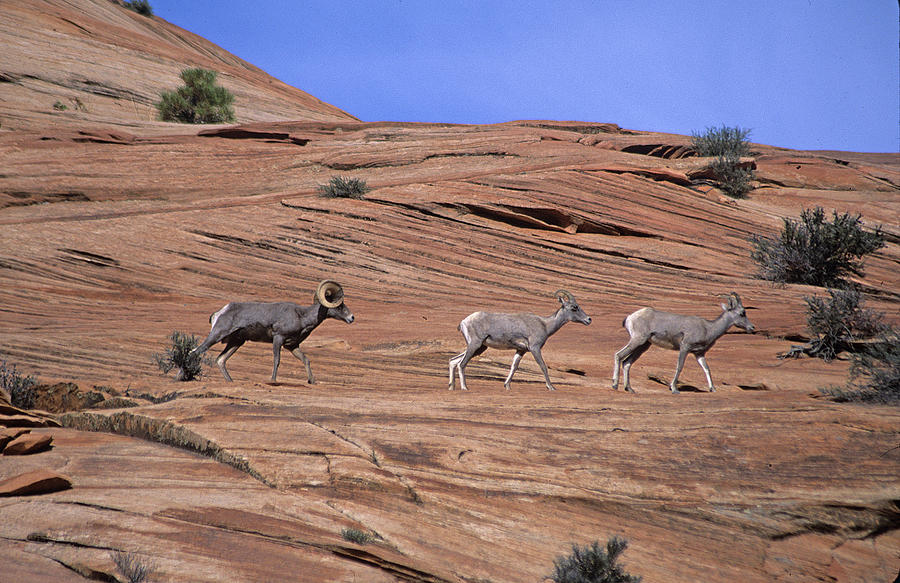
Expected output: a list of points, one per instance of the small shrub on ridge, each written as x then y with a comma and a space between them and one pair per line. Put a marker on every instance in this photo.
727, 145
140, 6
132, 567
813, 251
732, 178
876, 369
722, 141
199, 100
341, 187
593, 564
356, 536
874, 372
19, 388
178, 355
838, 322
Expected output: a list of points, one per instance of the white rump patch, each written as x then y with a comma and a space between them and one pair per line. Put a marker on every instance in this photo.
214, 317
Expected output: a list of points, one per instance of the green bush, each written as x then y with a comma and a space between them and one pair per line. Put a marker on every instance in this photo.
140, 6
593, 564
356, 536
838, 322
732, 178
341, 187
179, 356
813, 251
722, 141
19, 388
875, 372
727, 145
199, 100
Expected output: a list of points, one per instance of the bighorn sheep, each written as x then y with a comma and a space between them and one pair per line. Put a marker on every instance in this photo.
520, 332
686, 334
283, 324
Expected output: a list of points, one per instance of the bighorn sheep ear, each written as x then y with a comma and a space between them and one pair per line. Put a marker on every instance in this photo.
330, 294
730, 305
564, 297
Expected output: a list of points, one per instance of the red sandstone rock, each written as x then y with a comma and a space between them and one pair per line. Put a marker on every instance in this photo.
9, 434
148, 228
28, 444
33, 483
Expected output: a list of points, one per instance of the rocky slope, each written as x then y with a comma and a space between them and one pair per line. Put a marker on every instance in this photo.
117, 230
68, 64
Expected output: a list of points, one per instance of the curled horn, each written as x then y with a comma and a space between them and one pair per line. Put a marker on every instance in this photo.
734, 299
330, 294
564, 297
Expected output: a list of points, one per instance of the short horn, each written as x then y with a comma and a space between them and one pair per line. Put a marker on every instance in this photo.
330, 294
735, 299
564, 297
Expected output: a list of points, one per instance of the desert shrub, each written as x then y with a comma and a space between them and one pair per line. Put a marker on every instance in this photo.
60, 106
199, 100
19, 388
722, 141
132, 567
344, 187
727, 144
815, 252
140, 6
593, 564
356, 536
178, 356
838, 322
875, 371
732, 178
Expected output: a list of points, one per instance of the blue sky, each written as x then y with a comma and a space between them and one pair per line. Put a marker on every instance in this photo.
805, 74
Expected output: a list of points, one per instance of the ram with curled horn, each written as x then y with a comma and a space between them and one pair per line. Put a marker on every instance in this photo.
521, 332
282, 324
686, 334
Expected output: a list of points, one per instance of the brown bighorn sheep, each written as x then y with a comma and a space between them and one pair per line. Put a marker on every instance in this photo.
686, 334
282, 324
520, 332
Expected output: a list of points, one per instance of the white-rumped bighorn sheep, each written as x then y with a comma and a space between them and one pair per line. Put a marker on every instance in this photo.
280, 323
520, 332
686, 334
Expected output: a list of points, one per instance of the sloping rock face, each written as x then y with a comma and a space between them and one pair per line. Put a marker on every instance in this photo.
67, 63
110, 239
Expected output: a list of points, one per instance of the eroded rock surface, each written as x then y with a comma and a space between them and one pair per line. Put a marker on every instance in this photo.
116, 230
34, 482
